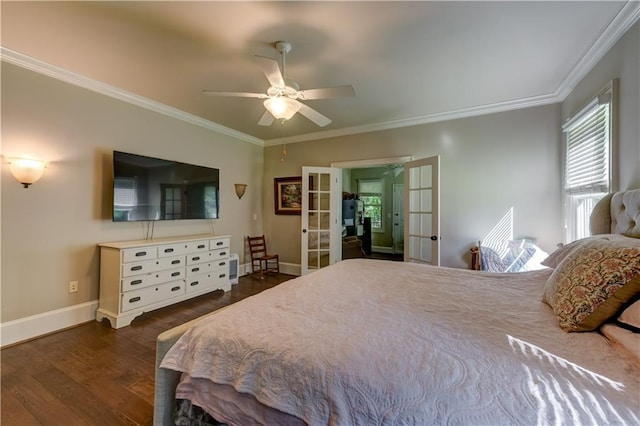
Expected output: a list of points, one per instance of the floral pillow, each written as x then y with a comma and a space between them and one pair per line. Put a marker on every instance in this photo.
557, 256
593, 282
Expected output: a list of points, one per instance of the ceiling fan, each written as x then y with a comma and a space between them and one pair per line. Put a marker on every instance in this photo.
283, 97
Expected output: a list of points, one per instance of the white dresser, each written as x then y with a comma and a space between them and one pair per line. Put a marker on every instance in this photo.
143, 275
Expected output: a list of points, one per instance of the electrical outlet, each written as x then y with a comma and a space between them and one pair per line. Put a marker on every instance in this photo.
73, 286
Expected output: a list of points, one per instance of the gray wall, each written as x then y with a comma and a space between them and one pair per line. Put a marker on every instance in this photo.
50, 231
489, 164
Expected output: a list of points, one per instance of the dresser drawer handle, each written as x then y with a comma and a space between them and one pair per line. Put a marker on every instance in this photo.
222, 275
223, 253
219, 243
222, 263
176, 274
134, 299
201, 246
168, 250
141, 253
136, 268
176, 288
195, 269
194, 283
175, 262
196, 258
136, 282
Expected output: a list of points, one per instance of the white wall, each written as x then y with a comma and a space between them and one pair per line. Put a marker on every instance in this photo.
50, 230
489, 164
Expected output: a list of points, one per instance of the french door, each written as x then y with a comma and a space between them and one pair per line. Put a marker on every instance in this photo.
421, 212
321, 243
398, 218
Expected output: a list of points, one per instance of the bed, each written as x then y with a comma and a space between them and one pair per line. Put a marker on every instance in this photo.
415, 344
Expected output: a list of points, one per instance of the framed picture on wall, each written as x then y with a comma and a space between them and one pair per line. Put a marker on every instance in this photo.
288, 195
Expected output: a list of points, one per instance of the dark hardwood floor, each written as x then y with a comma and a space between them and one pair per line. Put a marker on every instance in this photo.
94, 375
398, 257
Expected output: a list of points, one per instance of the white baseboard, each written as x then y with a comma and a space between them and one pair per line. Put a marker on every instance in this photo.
47, 322
36, 325
290, 269
285, 268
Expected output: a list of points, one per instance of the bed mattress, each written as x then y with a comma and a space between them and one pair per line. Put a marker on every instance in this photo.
374, 342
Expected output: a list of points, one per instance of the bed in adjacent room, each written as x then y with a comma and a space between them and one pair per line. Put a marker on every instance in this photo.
415, 344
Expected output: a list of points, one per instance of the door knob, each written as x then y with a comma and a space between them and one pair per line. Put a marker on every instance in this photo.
304, 231
434, 238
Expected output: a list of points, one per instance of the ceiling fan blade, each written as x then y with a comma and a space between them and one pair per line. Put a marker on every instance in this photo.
313, 115
266, 119
328, 92
235, 94
271, 70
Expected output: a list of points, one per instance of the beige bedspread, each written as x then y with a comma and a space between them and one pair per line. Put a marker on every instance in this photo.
372, 342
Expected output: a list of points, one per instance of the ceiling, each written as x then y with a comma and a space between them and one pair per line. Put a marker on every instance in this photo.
409, 62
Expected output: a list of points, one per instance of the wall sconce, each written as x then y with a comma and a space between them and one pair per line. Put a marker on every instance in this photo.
26, 171
240, 188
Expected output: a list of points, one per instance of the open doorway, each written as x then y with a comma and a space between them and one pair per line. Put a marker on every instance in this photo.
372, 210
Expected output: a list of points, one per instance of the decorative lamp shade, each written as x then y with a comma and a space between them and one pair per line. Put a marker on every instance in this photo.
26, 171
281, 107
240, 188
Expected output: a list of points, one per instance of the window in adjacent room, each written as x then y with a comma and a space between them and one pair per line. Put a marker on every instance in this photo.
211, 202
172, 203
124, 198
370, 192
588, 160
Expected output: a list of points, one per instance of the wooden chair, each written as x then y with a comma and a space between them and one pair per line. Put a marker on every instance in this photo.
260, 259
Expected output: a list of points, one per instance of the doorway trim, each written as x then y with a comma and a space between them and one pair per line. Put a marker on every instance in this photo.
374, 162
358, 164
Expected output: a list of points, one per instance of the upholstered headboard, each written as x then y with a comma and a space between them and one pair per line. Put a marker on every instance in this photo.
617, 213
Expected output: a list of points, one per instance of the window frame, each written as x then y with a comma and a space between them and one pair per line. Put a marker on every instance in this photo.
580, 198
380, 194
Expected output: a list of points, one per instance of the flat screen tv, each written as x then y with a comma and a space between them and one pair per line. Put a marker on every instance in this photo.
147, 188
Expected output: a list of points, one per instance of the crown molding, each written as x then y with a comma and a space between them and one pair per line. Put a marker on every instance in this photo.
619, 25
425, 119
41, 67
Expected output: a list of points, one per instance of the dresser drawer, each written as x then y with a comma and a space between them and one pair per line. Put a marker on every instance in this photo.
200, 268
220, 254
195, 258
150, 295
220, 276
221, 263
158, 277
219, 243
147, 266
200, 282
198, 246
174, 249
138, 254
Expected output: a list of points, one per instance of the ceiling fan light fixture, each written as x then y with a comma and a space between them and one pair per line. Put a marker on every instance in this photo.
281, 107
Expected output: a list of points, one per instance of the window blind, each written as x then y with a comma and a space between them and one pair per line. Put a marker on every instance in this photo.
124, 193
370, 186
587, 156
